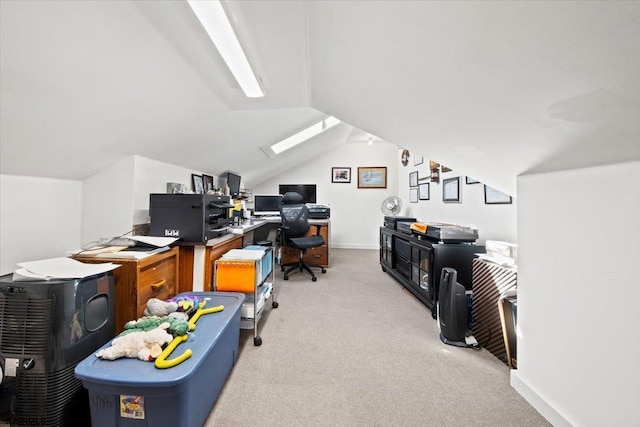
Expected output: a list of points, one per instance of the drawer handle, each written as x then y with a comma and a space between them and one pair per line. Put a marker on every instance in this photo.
156, 286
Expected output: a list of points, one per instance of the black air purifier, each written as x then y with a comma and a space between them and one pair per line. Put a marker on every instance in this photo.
453, 310
46, 329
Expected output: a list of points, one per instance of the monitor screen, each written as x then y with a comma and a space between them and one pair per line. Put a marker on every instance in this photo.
307, 191
266, 204
233, 181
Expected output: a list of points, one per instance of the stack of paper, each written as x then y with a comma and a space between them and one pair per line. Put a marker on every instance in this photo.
59, 268
144, 247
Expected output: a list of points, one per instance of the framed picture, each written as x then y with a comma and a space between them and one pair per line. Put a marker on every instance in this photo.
207, 181
495, 197
418, 160
198, 186
470, 180
341, 175
413, 179
413, 195
451, 189
372, 177
423, 191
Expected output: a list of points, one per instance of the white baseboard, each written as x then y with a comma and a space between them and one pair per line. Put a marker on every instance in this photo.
537, 401
354, 246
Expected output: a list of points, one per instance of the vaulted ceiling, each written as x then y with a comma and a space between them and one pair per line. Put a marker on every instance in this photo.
493, 89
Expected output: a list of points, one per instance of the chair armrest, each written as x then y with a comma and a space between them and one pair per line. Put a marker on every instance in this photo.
317, 228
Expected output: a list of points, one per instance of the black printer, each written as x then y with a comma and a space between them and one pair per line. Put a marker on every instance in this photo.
190, 217
318, 211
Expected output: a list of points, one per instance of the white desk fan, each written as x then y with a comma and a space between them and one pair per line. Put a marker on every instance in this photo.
391, 206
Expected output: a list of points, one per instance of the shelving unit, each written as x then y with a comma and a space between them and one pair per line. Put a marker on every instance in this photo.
251, 271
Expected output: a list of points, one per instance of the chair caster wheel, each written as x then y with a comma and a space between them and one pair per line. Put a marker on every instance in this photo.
384, 270
274, 304
257, 341
324, 271
286, 277
281, 268
313, 279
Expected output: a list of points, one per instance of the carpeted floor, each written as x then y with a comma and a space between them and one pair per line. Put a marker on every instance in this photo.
356, 349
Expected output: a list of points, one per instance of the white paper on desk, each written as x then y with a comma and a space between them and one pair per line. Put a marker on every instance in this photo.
65, 268
155, 241
132, 254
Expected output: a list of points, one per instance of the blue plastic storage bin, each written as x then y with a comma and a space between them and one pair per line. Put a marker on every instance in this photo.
129, 392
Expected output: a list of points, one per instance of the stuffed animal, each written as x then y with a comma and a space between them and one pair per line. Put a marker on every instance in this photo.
176, 326
145, 345
157, 307
186, 303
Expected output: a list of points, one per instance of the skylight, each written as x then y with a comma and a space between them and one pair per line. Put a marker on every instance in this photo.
303, 135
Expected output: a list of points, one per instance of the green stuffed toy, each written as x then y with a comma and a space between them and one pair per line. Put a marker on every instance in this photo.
176, 328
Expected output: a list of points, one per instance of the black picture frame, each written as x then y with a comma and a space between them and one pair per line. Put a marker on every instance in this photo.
198, 184
496, 197
207, 183
468, 180
413, 195
423, 191
451, 190
341, 175
413, 179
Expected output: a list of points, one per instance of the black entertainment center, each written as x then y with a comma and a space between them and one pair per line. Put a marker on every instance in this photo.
416, 261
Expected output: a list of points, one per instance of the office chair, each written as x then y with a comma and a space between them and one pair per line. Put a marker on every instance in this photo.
295, 224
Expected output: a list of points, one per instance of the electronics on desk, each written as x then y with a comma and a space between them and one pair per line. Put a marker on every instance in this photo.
392, 221
450, 233
266, 204
318, 211
190, 217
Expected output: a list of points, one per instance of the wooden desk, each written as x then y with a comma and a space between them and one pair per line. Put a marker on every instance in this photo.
319, 255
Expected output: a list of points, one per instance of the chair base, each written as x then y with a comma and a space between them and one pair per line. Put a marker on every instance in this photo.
302, 266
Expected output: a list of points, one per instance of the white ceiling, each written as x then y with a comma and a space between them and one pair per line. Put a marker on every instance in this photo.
492, 89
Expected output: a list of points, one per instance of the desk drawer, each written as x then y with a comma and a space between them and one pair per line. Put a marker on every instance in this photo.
319, 255
158, 280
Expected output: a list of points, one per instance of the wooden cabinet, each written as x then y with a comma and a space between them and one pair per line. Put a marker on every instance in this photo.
319, 255
136, 281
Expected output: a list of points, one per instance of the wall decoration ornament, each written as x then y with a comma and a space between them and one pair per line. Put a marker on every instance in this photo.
413, 195
405, 157
434, 167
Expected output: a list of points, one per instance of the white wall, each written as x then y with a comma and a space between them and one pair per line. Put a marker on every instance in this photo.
39, 219
355, 213
578, 283
107, 202
494, 222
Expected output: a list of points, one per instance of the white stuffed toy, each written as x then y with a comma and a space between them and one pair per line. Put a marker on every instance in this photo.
145, 345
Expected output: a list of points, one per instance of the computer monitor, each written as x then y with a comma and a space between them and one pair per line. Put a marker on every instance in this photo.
307, 191
266, 204
233, 181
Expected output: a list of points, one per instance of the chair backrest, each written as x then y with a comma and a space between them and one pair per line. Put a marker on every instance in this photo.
294, 215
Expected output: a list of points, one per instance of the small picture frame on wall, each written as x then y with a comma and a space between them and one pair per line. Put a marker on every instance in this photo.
423, 191
198, 184
451, 190
470, 180
413, 179
417, 160
413, 195
207, 181
341, 175
495, 197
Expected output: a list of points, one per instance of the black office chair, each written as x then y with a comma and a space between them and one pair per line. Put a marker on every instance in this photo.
295, 224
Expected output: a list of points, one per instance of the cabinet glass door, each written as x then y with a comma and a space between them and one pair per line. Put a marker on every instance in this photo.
385, 247
421, 266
